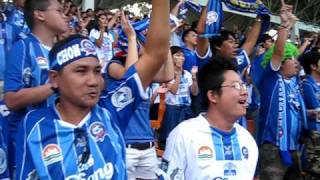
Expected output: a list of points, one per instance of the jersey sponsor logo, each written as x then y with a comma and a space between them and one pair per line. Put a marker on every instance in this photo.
230, 169
98, 131
3, 161
88, 47
42, 62
121, 98
105, 172
245, 152
205, 152
51, 154
212, 17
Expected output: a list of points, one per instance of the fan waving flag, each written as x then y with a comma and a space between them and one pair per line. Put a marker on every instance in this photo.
214, 18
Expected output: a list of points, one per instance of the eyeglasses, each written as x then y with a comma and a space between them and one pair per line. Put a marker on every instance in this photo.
82, 146
237, 85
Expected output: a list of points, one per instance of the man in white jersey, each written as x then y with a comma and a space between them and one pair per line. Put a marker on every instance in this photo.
212, 145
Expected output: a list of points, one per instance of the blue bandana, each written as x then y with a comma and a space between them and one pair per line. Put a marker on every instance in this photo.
71, 51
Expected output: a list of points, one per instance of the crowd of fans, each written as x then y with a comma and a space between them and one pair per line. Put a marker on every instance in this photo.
79, 88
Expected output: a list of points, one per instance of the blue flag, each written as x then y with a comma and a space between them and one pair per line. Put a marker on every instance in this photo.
214, 18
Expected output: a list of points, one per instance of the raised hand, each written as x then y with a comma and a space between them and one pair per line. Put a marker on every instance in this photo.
126, 26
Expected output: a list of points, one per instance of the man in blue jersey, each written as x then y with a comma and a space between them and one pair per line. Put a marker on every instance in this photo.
213, 145
139, 138
26, 72
74, 138
311, 96
282, 113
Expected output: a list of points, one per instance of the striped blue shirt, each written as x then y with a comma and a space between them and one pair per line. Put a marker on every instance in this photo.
50, 148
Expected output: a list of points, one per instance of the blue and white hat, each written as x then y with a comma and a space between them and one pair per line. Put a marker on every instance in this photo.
70, 51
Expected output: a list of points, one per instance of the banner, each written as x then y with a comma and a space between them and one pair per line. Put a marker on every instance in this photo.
249, 6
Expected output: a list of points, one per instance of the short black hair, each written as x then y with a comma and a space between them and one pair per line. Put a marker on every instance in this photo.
175, 49
216, 41
308, 59
265, 37
186, 32
211, 77
32, 5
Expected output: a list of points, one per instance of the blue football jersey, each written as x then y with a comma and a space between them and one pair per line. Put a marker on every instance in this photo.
8, 35
50, 148
26, 67
311, 96
193, 59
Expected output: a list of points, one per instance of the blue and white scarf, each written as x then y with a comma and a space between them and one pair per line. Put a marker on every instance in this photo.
283, 135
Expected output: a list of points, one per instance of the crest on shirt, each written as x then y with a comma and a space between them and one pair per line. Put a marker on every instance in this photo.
230, 169
121, 98
3, 161
51, 154
245, 152
88, 47
205, 152
212, 17
98, 131
42, 62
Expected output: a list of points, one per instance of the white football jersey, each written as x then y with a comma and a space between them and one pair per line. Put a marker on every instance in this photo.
195, 150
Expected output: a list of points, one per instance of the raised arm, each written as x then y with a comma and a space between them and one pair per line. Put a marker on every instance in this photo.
116, 70
252, 36
166, 72
175, 9
287, 21
157, 42
202, 42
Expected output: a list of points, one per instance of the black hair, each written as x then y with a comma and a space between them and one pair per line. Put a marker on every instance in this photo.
186, 32
216, 41
32, 5
211, 77
175, 49
308, 59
